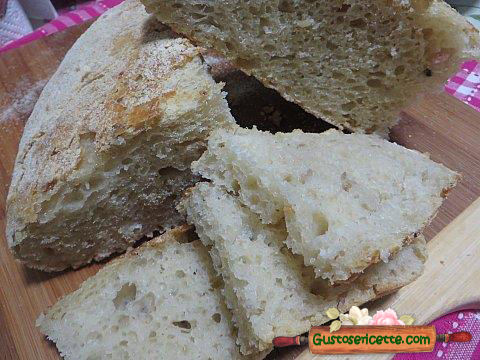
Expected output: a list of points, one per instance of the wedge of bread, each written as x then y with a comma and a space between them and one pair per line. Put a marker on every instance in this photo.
270, 291
160, 301
352, 63
348, 201
109, 144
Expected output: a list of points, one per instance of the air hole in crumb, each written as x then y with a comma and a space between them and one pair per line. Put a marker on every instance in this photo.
317, 287
254, 11
126, 294
427, 33
254, 199
168, 171
245, 63
217, 317
337, 75
235, 186
264, 22
348, 106
358, 23
73, 197
184, 324
286, 6
321, 223
378, 74
305, 176
344, 8
245, 260
331, 46
180, 274
399, 70
94, 335
95, 182
346, 183
197, 16
375, 83
217, 283
269, 48
252, 183
123, 320
49, 251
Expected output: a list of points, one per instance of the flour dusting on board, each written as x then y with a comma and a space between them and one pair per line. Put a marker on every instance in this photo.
22, 101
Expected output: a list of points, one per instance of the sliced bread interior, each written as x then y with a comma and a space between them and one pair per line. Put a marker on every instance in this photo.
108, 147
348, 201
160, 301
353, 63
269, 290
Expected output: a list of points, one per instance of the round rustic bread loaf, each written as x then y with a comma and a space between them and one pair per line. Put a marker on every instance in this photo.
108, 147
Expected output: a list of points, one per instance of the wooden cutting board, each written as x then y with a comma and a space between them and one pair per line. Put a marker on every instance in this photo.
439, 124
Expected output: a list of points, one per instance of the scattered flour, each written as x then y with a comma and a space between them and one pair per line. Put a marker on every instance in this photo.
23, 100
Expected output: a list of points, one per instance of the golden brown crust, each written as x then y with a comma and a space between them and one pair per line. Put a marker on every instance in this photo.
108, 146
87, 100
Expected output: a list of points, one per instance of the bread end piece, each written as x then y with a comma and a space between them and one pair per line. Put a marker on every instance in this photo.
269, 290
108, 146
159, 301
348, 200
355, 64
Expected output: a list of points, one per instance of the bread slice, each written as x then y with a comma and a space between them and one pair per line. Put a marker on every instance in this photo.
270, 291
160, 301
353, 63
109, 144
348, 201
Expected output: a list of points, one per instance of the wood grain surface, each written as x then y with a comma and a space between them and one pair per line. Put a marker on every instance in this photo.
438, 124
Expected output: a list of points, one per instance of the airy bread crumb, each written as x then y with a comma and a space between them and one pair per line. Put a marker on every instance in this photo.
160, 301
352, 63
348, 201
269, 290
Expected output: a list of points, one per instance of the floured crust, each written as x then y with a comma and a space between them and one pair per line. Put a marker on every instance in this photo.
50, 148
108, 146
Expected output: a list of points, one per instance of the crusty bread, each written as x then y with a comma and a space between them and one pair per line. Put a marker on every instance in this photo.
160, 301
348, 200
270, 291
353, 63
109, 144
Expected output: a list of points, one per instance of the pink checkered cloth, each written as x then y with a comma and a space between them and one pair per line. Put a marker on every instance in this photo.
468, 320
78, 16
465, 86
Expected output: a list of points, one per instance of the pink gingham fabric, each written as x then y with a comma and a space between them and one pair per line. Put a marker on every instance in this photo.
65, 20
465, 85
468, 320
